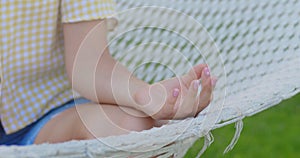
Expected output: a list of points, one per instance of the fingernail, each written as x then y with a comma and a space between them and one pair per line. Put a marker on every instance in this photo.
196, 84
206, 71
213, 82
175, 92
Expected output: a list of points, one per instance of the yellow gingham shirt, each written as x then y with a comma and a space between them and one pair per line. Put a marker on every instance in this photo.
33, 77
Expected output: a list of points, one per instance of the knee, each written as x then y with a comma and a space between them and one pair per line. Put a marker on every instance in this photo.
132, 123
125, 126
111, 125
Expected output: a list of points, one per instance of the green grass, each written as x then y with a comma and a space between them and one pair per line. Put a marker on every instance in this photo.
273, 133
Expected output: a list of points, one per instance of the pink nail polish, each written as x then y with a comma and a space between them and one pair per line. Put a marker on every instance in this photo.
206, 71
175, 92
196, 85
213, 82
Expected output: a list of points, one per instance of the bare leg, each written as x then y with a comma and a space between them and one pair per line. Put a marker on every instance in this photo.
90, 121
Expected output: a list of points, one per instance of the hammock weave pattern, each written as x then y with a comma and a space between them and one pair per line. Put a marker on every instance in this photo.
251, 46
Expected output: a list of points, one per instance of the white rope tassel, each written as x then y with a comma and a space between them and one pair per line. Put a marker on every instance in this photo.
208, 139
238, 130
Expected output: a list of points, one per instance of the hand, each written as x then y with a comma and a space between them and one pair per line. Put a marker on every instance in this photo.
177, 98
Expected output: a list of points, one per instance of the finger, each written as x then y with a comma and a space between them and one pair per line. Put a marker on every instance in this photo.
213, 84
194, 74
214, 81
173, 96
197, 69
206, 92
187, 108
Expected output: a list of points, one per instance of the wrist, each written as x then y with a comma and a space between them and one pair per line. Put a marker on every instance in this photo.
150, 99
141, 97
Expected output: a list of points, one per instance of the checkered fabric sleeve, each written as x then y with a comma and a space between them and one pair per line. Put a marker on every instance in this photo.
79, 10
33, 78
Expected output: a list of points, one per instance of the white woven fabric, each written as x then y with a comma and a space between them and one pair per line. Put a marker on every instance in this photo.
252, 46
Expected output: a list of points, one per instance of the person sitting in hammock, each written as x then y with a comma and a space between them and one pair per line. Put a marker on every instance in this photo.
49, 48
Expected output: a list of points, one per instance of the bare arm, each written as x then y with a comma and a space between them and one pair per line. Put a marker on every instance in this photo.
96, 75
93, 71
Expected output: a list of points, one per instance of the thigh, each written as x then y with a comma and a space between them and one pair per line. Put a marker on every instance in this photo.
89, 121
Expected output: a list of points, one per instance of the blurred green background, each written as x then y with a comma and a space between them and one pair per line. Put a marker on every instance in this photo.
273, 133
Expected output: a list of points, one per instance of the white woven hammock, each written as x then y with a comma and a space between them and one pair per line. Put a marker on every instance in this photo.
251, 46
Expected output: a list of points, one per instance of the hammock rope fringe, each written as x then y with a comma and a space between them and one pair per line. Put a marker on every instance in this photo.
208, 140
238, 130
251, 46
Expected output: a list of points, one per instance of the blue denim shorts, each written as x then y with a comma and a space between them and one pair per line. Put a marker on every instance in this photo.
27, 135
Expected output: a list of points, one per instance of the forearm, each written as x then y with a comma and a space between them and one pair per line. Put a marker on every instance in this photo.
92, 70
115, 84
100, 78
